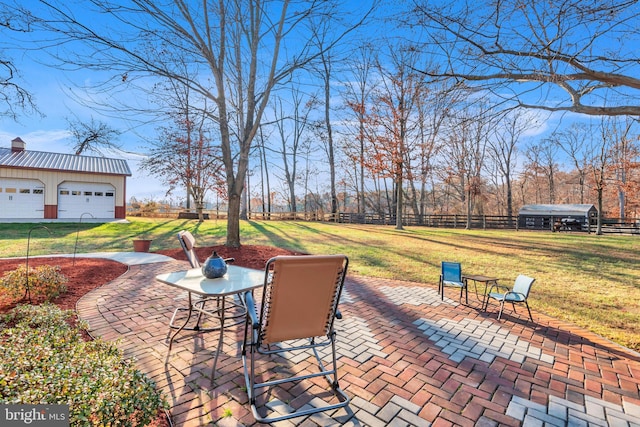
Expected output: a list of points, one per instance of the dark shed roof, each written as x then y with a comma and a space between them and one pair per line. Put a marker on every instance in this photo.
558, 210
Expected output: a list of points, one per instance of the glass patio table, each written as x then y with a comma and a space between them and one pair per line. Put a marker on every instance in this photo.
236, 281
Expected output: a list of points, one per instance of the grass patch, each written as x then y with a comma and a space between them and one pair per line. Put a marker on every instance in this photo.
592, 281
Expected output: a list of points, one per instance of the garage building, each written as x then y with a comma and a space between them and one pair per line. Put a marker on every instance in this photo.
41, 185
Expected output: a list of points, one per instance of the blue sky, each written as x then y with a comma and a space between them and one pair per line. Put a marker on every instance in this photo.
52, 90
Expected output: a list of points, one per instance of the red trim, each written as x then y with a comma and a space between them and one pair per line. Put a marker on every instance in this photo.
50, 211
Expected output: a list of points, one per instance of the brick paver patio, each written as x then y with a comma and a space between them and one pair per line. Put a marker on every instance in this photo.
406, 359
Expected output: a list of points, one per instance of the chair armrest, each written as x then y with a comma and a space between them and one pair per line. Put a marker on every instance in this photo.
498, 287
515, 293
251, 309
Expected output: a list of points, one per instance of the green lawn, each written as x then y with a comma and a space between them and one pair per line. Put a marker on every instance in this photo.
592, 281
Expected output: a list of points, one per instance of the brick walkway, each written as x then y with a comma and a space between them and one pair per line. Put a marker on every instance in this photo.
406, 358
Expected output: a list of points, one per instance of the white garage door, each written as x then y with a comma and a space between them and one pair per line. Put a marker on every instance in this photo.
90, 199
21, 198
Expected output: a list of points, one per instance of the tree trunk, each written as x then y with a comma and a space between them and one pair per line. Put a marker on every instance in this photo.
233, 221
509, 201
599, 227
399, 203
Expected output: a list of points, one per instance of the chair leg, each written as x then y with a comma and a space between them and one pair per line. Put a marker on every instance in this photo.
501, 308
529, 310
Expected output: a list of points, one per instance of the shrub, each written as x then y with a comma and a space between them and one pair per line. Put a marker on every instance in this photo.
45, 280
46, 361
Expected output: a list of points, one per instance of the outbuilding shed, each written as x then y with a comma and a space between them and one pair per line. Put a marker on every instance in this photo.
550, 217
42, 185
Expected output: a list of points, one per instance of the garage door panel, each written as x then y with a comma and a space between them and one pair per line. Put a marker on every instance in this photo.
77, 199
21, 198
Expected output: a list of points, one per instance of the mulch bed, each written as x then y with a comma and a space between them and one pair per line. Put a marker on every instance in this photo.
85, 274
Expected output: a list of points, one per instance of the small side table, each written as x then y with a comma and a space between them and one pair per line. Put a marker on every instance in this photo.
479, 278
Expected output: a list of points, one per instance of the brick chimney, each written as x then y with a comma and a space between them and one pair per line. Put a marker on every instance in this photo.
17, 145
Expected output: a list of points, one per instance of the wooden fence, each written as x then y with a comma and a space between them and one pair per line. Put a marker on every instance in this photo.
483, 222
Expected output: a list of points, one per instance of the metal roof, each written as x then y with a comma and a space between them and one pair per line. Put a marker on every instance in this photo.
566, 209
63, 162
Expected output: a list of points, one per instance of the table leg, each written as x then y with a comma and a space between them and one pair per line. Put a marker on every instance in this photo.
475, 287
485, 298
220, 340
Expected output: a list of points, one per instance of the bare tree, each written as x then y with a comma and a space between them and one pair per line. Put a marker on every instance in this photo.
357, 97
14, 98
433, 109
240, 50
291, 124
578, 56
463, 156
391, 121
532, 171
265, 187
601, 149
93, 136
574, 142
542, 160
625, 157
325, 71
503, 148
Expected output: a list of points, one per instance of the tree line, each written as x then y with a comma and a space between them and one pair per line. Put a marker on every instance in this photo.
304, 103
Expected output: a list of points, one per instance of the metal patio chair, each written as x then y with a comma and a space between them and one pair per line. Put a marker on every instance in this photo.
188, 244
299, 304
451, 275
518, 294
